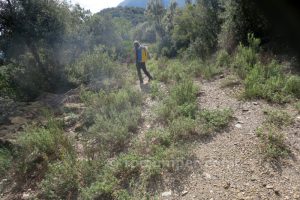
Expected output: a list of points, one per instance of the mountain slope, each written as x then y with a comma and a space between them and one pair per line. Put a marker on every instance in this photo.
143, 3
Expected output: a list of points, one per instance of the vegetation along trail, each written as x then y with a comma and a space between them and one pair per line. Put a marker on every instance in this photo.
150, 100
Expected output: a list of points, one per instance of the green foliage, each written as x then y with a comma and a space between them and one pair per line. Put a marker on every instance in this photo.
278, 118
96, 65
205, 69
181, 102
61, 180
184, 92
196, 29
144, 32
156, 91
6, 87
223, 59
292, 86
183, 128
168, 71
269, 83
246, 57
231, 81
112, 117
239, 19
103, 188
266, 81
133, 14
42, 145
272, 142
113, 177
161, 137
5, 161
211, 121
297, 106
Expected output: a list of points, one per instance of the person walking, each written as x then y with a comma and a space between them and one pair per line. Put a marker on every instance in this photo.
141, 57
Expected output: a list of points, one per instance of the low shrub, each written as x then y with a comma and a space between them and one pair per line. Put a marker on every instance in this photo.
156, 92
223, 59
246, 57
231, 81
181, 102
272, 142
292, 86
182, 128
61, 180
168, 71
278, 118
91, 66
161, 137
112, 117
184, 92
48, 142
5, 161
211, 121
206, 70
297, 106
104, 188
268, 82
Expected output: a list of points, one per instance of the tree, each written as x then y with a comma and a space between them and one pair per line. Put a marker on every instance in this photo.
155, 11
197, 27
35, 26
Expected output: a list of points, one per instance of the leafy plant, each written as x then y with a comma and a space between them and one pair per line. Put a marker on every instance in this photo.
272, 142
61, 180
231, 81
183, 128
5, 161
278, 118
213, 120
297, 106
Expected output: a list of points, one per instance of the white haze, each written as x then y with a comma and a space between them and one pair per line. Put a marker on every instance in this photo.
96, 5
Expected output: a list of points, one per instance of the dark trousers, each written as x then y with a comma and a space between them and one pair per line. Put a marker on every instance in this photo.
142, 66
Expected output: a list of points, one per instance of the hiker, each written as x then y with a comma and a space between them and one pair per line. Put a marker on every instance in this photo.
141, 56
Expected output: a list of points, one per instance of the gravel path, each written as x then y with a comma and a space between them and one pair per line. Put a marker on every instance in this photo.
232, 167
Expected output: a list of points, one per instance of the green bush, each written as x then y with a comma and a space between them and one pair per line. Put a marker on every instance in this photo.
205, 69
270, 83
104, 188
292, 86
168, 71
211, 121
112, 117
39, 146
223, 59
272, 142
156, 92
246, 57
167, 110
61, 180
5, 161
297, 106
94, 65
161, 137
231, 81
113, 177
266, 81
182, 128
278, 118
184, 92
181, 102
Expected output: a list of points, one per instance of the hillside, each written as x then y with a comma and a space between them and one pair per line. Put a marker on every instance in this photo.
143, 3
133, 14
208, 107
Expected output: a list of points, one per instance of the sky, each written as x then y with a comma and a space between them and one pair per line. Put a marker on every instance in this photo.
97, 5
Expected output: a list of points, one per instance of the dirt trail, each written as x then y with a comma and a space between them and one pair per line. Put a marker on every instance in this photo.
232, 165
